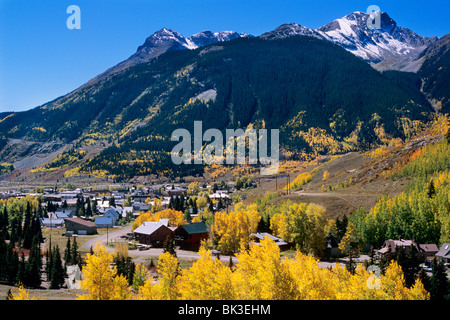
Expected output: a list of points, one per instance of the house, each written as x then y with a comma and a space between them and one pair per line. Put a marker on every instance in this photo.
138, 206
332, 247
80, 226
424, 250
258, 237
61, 215
172, 191
190, 236
126, 211
444, 253
52, 223
71, 194
112, 214
104, 222
153, 233
391, 245
428, 250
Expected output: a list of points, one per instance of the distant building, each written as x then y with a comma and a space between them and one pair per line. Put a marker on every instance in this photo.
391, 245
424, 250
104, 222
61, 215
258, 237
80, 226
112, 214
332, 247
428, 250
52, 223
139, 206
174, 191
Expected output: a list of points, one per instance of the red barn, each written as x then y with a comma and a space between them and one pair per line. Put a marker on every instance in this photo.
189, 236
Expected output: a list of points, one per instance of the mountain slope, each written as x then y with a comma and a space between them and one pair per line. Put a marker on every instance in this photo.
389, 48
310, 84
435, 72
166, 40
323, 100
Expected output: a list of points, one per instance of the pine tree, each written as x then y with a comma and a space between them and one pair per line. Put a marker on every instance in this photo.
58, 274
27, 235
9, 295
439, 284
67, 253
34, 264
350, 265
112, 202
88, 208
4, 223
21, 271
75, 255
3, 259
169, 246
431, 189
12, 260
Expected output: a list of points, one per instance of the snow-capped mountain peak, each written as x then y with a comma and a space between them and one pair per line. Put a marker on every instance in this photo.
386, 47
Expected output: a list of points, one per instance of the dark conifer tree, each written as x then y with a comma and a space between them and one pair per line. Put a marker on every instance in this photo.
68, 253
21, 271
34, 265
27, 234
88, 208
58, 274
12, 258
169, 246
112, 202
75, 255
4, 223
439, 284
3, 259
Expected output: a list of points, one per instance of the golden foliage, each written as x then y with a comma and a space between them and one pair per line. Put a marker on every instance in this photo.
98, 276
175, 218
233, 230
260, 274
23, 294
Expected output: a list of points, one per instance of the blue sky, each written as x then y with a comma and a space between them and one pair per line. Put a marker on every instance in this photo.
40, 59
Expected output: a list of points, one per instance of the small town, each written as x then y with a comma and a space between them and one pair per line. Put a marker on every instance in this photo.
138, 223
224, 158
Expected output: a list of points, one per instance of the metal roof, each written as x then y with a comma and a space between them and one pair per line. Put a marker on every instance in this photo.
196, 227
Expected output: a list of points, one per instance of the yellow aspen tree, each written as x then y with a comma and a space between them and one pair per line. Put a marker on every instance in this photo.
207, 279
122, 291
169, 270
349, 238
98, 276
23, 294
149, 291
326, 175
140, 276
261, 274
317, 217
